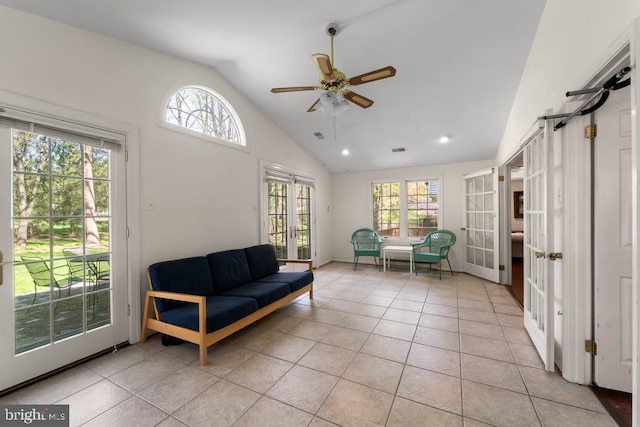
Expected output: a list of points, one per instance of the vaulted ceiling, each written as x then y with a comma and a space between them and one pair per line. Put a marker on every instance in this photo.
458, 62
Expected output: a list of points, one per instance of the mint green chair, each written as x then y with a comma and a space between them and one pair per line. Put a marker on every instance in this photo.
366, 242
433, 249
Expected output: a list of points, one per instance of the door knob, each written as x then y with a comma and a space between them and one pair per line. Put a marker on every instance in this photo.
555, 255
539, 254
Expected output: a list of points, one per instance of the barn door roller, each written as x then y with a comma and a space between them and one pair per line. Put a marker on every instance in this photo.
602, 92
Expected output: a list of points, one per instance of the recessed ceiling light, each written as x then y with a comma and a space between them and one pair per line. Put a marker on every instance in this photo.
345, 152
444, 139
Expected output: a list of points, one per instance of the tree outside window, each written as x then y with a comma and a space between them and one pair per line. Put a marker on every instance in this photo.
406, 209
204, 112
422, 207
386, 208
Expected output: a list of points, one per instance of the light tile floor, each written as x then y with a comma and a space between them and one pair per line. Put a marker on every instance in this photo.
372, 348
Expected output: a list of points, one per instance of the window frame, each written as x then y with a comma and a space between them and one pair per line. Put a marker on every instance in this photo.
242, 146
406, 200
390, 181
404, 211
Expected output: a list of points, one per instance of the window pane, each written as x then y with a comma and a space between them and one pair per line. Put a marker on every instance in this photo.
422, 207
386, 208
204, 112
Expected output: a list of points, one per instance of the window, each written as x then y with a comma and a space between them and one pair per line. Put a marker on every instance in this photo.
386, 208
406, 209
202, 110
422, 207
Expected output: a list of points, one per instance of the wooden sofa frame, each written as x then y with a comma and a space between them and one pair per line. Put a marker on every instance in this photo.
201, 337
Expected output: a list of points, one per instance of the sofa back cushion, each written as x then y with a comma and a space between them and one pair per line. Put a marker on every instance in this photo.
185, 276
228, 269
262, 261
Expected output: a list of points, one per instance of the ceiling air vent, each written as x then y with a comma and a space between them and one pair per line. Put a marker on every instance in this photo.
318, 135
398, 150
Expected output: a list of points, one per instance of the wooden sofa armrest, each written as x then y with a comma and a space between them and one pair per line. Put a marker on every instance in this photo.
198, 299
299, 261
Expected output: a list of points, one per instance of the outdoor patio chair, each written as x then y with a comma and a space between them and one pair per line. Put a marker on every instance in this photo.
42, 276
100, 266
433, 249
366, 242
76, 266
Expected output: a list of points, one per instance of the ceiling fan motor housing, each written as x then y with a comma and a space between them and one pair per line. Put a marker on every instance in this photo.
332, 29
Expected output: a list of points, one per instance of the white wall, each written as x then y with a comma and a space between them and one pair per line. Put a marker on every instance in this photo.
205, 196
573, 40
351, 203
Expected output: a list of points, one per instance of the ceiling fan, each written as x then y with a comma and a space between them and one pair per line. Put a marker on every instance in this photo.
334, 82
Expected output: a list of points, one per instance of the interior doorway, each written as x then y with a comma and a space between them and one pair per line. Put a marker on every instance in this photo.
515, 223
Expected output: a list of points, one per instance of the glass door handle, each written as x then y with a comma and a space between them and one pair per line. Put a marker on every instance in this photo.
2, 264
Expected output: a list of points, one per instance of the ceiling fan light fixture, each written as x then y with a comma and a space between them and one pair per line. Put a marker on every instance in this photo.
327, 99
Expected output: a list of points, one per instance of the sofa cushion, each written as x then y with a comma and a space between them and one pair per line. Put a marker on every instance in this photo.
264, 293
221, 311
186, 276
296, 280
228, 269
262, 261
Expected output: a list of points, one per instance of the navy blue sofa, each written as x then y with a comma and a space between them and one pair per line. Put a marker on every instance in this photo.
205, 299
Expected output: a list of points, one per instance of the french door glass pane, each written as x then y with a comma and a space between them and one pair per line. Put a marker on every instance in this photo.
479, 216
61, 220
277, 217
303, 232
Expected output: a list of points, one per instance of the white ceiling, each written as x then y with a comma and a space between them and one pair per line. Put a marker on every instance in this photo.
458, 62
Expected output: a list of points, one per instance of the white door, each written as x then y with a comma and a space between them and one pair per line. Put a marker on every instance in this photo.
613, 302
64, 290
288, 223
538, 241
481, 224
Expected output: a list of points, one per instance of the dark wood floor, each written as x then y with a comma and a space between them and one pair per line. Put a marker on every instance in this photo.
617, 403
517, 280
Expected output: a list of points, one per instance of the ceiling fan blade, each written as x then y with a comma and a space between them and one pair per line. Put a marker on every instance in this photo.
293, 89
359, 100
313, 107
372, 76
324, 64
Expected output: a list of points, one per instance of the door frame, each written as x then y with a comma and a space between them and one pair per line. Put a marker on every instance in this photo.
263, 203
635, 150
54, 112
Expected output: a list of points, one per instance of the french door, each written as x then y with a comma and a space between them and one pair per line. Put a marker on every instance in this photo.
64, 292
538, 241
481, 224
288, 225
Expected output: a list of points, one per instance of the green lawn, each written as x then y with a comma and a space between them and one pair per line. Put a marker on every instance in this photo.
23, 283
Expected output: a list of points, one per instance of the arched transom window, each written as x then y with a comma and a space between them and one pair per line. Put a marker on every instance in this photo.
204, 111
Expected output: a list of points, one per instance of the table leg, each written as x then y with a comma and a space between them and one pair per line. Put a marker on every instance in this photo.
384, 261
410, 263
